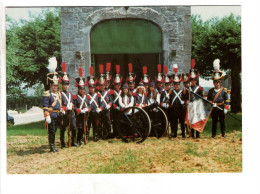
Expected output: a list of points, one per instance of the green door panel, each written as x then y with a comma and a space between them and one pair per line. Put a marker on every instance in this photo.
125, 36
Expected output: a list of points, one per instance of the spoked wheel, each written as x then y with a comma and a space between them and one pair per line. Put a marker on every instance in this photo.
133, 125
159, 122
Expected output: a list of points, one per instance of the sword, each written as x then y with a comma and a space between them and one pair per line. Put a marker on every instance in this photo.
212, 104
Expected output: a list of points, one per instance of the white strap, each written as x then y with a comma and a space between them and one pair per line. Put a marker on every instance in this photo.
176, 96
196, 89
68, 99
118, 94
82, 101
103, 97
93, 99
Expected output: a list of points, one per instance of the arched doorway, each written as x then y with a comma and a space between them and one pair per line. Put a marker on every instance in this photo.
123, 41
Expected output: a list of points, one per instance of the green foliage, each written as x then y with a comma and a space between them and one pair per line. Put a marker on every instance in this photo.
30, 45
20, 102
219, 38
216, 38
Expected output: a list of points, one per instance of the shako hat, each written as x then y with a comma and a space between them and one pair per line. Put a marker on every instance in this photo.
194, 73
131, 76
145, 77
52, 76
217, 75
91, 80
64, 78
102, 77
80, 81
185, 77
159, 77
108, 75
166, 79
177, 78
118, 78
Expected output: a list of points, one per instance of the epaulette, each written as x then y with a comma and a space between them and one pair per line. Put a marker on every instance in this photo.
46, 93
225, 89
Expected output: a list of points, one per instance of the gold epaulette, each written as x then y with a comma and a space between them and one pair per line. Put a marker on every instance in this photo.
225, 89
46, 93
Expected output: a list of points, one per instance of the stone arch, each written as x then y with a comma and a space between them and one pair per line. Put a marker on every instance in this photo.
144, 13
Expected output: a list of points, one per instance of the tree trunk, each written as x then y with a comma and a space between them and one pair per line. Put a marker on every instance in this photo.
236, 87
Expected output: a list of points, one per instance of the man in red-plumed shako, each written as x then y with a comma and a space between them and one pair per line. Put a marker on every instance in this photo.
68, 116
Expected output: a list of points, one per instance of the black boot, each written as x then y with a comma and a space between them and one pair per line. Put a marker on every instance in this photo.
73, 142
51, 143
62, 142
96, 138
197, 134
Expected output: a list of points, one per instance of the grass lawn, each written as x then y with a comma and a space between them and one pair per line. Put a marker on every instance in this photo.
28, 153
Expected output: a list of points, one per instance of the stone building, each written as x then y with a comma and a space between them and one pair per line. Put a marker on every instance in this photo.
143, 36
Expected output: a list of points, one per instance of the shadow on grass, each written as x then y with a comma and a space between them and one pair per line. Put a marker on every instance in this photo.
39, 150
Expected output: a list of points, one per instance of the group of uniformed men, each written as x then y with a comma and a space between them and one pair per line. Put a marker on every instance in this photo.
105, 99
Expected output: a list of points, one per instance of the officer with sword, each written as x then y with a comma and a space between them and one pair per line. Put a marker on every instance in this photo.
220, 99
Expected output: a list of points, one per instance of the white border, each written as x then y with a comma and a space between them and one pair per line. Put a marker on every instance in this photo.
246, 182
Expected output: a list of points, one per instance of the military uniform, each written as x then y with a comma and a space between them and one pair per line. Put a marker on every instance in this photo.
220, 98
82, 110
68, 116
115, 94
218, 115
177, 106
51, 102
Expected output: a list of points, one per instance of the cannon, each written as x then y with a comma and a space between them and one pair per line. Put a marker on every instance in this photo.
135, 124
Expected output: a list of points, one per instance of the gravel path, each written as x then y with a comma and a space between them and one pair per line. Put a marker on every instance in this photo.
33, 115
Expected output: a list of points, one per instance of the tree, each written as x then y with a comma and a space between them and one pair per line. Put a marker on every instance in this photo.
219, 38
36, 41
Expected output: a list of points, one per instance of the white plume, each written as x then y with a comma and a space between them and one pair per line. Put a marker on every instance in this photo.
216, 64
52, 64
175, 66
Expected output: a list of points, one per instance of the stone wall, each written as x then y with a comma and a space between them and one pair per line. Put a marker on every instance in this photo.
77, 22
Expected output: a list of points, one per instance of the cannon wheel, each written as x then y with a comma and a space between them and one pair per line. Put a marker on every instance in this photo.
159, 122
133, 124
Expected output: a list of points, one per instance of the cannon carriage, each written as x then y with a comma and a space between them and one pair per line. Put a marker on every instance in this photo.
136, 124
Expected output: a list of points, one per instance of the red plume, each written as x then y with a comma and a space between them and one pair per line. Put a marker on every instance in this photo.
101, 68
108, 66
165, 69
130, 67
144, 70
159, 68
63, 67
91, 71
175, 68
192, 63
117, 69
80, 72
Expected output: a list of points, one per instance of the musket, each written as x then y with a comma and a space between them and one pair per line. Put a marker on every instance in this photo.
69, 130
212, 104
85, 129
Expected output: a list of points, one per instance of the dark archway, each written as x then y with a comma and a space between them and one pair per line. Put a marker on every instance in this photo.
123, 41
